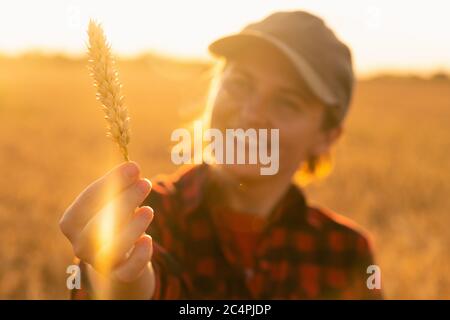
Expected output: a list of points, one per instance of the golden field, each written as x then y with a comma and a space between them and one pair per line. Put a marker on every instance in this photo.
392, 166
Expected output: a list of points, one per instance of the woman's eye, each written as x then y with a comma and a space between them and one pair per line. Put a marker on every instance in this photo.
287, 103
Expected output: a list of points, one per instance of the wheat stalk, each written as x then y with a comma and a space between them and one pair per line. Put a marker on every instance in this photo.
106, 80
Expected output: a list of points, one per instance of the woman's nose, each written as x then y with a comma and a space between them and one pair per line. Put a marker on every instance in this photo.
254, 112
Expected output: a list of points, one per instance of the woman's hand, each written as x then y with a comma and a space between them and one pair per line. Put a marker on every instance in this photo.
122, 253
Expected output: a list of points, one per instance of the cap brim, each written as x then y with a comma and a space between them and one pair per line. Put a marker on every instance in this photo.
230, 45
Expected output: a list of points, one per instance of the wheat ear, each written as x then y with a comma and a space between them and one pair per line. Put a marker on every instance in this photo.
106, 80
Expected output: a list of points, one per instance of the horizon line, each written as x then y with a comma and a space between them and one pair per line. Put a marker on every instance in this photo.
360, 74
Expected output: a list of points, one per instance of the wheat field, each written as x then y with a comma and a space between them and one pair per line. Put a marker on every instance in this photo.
392, 171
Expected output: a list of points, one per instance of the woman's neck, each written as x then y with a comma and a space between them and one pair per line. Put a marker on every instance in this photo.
253, 196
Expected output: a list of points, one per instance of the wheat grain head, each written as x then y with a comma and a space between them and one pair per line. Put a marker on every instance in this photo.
106, 80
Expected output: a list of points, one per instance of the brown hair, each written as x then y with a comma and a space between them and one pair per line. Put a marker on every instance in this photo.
319, 167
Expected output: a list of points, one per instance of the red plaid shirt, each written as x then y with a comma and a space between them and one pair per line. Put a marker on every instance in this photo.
303, 252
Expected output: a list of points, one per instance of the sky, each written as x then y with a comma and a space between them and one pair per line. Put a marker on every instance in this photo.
385, 35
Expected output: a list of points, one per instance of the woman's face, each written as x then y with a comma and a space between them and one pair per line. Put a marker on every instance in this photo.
260, 89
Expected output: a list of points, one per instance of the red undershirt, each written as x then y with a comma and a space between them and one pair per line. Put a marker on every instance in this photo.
241, 232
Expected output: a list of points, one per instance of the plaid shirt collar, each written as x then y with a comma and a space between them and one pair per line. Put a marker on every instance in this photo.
197, 186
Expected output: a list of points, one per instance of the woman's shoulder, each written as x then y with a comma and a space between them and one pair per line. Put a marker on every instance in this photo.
188, 178
338, 228
185, 185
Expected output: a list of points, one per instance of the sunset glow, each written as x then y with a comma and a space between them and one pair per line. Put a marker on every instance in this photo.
384, 35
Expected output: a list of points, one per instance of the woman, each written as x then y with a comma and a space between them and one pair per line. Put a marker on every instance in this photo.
224, 230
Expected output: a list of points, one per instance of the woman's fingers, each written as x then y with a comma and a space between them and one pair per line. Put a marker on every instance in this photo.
136, 263
116, 213
96, 195
112, 198
124, 204
115, 252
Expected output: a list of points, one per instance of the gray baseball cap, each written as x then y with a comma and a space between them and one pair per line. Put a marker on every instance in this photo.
322, 60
